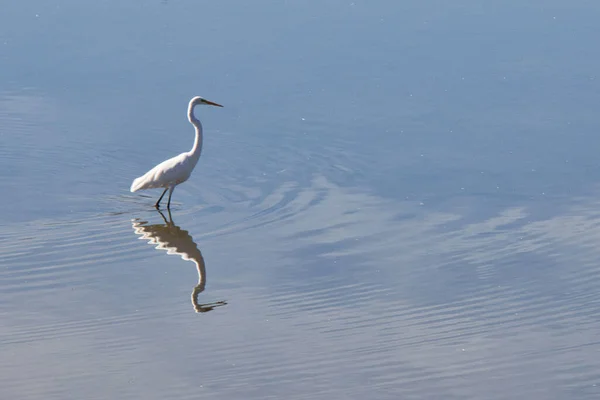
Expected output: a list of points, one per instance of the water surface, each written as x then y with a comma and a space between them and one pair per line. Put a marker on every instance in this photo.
399, 200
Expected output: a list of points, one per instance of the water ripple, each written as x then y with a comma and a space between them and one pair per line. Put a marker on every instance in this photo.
329, 283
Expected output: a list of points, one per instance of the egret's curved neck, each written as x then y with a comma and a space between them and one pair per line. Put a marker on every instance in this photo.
197, 149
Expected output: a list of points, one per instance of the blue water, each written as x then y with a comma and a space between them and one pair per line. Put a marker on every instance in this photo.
398, 200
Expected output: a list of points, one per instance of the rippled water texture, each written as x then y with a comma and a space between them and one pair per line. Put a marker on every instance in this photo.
398, 201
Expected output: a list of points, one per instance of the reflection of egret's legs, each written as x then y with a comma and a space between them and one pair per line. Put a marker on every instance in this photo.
163, 216
157, 205
170, 221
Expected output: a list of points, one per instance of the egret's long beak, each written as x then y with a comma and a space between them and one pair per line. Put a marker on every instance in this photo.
211, 103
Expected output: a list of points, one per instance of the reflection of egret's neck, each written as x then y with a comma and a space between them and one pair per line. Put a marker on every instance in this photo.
174, 240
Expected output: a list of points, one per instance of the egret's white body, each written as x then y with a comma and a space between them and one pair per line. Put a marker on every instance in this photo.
178, 169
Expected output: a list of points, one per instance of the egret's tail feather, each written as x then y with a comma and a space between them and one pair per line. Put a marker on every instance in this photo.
137, 184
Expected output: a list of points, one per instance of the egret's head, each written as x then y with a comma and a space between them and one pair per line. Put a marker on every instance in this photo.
202, 101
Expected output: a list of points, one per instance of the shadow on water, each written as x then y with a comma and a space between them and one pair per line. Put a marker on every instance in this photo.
174, 240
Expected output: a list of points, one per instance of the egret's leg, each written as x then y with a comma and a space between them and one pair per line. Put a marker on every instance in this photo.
157, 205
170, 194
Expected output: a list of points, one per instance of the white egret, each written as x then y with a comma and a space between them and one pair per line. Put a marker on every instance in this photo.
178, 169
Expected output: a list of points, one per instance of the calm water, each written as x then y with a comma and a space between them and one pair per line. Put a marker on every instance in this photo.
399, 200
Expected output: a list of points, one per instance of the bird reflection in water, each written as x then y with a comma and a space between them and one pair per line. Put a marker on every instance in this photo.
175, 240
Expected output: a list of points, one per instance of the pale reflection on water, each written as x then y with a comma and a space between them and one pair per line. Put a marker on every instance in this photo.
174, 240
399, 201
